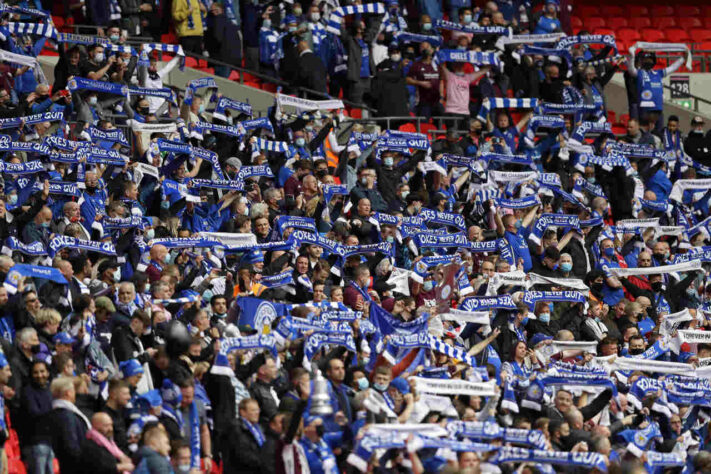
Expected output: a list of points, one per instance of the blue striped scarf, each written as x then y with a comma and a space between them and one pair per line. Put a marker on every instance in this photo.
164, 48
473, 57
37, 29
472, 29
590, 127
336, 18
63, 241
504, 103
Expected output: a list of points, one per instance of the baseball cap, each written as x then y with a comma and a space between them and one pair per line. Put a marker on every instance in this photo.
697, 120
401, 385
539, 337
64, 338
130, 368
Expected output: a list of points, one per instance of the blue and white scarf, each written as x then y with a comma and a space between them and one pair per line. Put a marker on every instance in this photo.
485, 303
504, 103
533, 297
35, 249
472, 29
259, 144
278, 280
296, 222
15, 122
582, 184
588, 460
570, 41
520, 203
165, 48
423, 240
255, 430
545, 121
253, 124
472, 57
115, 135
441, 217
317, 340
336, 18
29, 167
225, 103
557, 220
46, 30
251, 171
64, 241
163, 93
115, 223
259, 341
81, 83
590, 127
407, 37
197, 84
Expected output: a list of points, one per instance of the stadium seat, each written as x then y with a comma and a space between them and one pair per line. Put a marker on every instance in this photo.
611, 116
628, 35
698, 35
636, 11
604, 31
687, 11
706, 11
234, 76
356, 113
169, 38
663, 22
594, 23
407, 127
427, 128
689, 23
613, 10
269, 87
619, 130
191, 62
707, 22
256, 85
616, 22
676, 35
576, 23
58, 21
652, 35
662, 10
624, 118
639, 22
588, 11
705, 47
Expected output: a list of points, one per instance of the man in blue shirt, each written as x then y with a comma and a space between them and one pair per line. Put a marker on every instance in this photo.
514, 231
548, 22
612, 291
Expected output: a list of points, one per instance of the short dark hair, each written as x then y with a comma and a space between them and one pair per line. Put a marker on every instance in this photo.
142, 316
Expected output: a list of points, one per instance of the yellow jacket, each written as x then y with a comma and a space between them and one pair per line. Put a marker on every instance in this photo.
181, 13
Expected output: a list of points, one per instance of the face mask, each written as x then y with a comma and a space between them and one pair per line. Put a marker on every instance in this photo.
320, 430
597, 287
517, 224
309, 128
667, 254
395, 58
144, 111
609, 252
427, 26
45, 225
35, 348
659, 256
691, 292
99, 57
267, 23
459, 73
636, 351
201, 109
429, 284
184, 468
114, 38
117, 275
566, 267
12, 199
167, 258
545, 318
300, 141
388, 161
363, 383
315, 17
467, 19
390, 239
297, 11
93, 100
379, 387
524, 321
657, 286
133, 447
150, 234
292, 29
461, 47
220, 315
592, 180
364, 181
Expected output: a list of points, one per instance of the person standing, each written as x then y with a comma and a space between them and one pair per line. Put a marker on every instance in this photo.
187, 16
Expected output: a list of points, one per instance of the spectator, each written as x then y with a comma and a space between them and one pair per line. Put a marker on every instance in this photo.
69, 425
187, 16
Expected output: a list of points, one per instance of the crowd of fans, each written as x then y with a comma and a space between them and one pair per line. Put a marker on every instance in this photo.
188, 288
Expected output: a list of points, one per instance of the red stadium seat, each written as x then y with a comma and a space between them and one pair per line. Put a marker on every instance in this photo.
706, 11
676, 35
234, 76
58, 21
356, 113
594, 23
611, 116
191, 62
616, 22
624, 118
635, 11
269, 87
256, 85
705, 46
662, 10
623, 46
663, 22
619, 130
588, 11
628, 35
689, 22
576, 23
169, 38
652, 35
700, 34
687, 11
407, 127
427, 128
604, 31
613, 10
640, 22
707, 22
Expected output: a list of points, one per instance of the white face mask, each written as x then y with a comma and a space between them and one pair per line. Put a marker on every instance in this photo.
99, 57
395, 58
92, 100
315, 17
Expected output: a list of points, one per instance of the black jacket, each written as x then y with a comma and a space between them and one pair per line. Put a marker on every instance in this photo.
267, 405
97, 459
127, 345
698, 147
35, 404
311, 73
243, 454
389, 90
68, 432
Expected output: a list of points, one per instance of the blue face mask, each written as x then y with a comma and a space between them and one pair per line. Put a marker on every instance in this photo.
592, 180
388, 161
390, 239
45, 225
166, 259
467, 19
609, 252
300, 141
379, 387
545, 318
427, 26
12, 199
363, 383
517, 224
429, 284
566, 267
524, 321
267, 23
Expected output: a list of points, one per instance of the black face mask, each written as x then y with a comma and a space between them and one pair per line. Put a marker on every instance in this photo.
597, 287
144, 110
657, 286
42, 98
35, 348
567, 442
320, 430
194, 358
91, 189
636, 351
